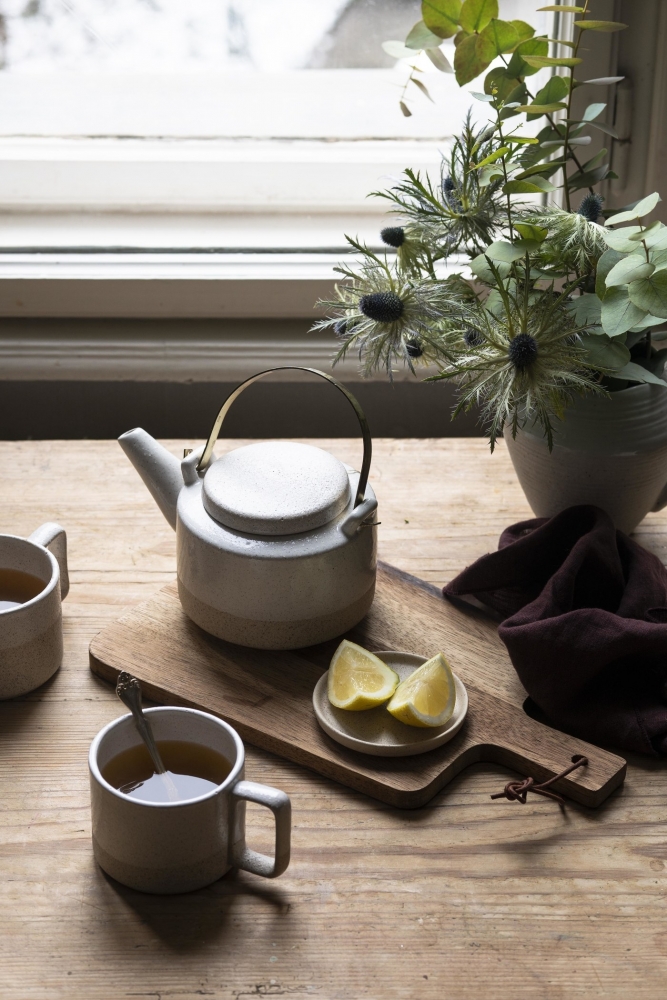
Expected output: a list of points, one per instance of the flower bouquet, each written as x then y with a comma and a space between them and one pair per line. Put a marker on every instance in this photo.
549, 303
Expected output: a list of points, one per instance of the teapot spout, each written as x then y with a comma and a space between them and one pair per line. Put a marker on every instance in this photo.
159, 469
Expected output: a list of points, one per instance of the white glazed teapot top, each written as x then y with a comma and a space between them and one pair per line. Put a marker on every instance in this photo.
276, 488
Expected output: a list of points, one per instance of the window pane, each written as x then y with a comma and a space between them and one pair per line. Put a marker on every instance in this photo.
199, 35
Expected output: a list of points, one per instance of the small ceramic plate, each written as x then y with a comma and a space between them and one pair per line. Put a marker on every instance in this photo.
376, 731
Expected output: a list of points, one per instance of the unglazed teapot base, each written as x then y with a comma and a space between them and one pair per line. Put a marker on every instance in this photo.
274, 635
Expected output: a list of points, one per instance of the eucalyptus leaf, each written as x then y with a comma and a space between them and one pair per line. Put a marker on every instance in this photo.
502, 35
531, 47
607, 129
397, 50
645, 233
494, 304
439, 60
442, 16
536, 185
530, 232
604, 353
618, 239
499, 83
405, 110
587, 309
539, 62
492, 157
555, 90
608, 260
600, 25
604, 81
650, 294
422, 86
480, 266
501, 250
472, 57
646, 205
638, 211
421, 37
649, 321
487, 174
476, 14
588, 178
523, 30
528, 246
657, 239
594, 161
487, 98
629, 269
636, 373
541, 109
592, 111
619, 314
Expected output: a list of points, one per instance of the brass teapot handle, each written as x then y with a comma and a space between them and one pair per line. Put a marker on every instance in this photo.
205, 459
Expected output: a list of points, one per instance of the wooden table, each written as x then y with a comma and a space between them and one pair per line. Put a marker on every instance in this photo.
466, 898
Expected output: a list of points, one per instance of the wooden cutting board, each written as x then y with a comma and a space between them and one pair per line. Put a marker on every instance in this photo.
267, 696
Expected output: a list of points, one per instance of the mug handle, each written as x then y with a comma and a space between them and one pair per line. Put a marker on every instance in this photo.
54, 538
281, 807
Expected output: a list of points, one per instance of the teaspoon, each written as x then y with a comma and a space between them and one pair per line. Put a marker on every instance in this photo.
128, 690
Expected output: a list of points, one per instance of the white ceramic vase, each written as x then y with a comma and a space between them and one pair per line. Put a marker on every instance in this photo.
609, 451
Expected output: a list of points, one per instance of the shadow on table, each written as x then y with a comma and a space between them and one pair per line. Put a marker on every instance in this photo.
18, 713
190, 921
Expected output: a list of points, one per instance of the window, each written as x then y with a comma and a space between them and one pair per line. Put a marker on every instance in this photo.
200, 159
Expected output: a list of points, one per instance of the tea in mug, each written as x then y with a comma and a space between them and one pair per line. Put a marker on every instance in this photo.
192, 768
17, 587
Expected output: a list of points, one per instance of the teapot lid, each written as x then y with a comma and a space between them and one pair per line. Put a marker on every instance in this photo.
276, 488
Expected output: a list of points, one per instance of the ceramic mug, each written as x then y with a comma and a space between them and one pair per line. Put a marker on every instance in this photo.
168, 847
31, 635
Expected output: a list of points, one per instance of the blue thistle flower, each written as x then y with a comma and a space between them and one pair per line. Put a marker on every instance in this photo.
393, 236
413, 349
383, 307
591, 207
472, 337
449, 194
522, 351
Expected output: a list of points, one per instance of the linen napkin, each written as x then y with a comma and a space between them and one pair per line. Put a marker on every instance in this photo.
584, 611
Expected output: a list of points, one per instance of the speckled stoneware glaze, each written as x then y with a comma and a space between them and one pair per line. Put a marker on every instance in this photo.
377, 732
169, 847
608, 451
276, 541
31, 635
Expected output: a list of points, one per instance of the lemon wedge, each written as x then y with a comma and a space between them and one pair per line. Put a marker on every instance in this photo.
427, 697
359, 680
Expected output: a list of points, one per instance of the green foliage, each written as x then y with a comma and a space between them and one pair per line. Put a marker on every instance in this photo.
442, 16
463, 212
476, 14
558, 304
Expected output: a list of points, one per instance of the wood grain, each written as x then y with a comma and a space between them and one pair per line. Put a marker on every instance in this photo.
267, 696
462, 899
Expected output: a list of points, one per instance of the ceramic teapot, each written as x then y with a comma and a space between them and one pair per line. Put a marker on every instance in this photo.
276, 541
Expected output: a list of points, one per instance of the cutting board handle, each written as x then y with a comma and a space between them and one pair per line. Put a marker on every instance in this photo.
509, 737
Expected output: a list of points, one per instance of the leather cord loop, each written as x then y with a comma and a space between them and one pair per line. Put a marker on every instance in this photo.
517, 791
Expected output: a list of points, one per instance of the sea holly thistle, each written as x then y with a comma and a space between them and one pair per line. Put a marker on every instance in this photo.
555, 301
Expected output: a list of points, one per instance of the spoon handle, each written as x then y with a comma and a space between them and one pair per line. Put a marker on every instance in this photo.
128, 690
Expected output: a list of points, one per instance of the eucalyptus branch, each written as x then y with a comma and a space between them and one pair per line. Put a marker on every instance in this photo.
567, 148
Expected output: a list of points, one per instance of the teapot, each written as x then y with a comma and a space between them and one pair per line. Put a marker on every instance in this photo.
276, 541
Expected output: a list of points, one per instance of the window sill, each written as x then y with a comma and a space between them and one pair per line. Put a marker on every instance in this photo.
176, 351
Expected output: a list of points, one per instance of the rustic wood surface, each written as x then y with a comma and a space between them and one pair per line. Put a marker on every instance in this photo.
464, 898
267, 696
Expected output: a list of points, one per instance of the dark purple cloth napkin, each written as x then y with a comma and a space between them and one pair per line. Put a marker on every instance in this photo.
585, 624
